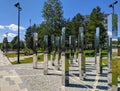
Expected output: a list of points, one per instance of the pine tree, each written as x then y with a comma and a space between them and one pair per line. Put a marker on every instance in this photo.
96, 19
53, 16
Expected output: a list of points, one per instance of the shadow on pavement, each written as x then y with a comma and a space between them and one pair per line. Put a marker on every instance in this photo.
102, 87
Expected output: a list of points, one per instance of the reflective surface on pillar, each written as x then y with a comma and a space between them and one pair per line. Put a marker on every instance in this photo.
109, 62
35, 39
113, 25
97, 49
81, 53
45, 54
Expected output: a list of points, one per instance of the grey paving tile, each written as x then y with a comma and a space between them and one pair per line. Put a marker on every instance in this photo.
7, 79
12, 82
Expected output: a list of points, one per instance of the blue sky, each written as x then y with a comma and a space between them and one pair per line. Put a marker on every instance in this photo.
31, 9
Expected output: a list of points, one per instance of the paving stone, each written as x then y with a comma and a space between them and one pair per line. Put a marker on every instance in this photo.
23, 77
11, 82
7, 79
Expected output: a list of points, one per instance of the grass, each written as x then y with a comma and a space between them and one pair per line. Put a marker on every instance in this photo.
26, 60
13, 55
115, 69
105, 61
40, 58
29, 60
89, 53
114, 54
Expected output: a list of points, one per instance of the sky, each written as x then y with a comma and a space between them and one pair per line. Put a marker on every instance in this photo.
32, 10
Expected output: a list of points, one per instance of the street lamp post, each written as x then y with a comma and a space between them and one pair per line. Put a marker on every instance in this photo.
17, 5
112, 5
6, 34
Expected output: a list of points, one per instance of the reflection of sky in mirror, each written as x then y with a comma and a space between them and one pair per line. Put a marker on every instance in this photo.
97, 31
110, 25
118, 25
113, 31
70, 40
63, 31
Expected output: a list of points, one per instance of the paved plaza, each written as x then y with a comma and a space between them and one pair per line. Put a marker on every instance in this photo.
22, 77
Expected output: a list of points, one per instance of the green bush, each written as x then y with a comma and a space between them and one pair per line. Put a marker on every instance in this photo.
104, 53
90, 53
39, 50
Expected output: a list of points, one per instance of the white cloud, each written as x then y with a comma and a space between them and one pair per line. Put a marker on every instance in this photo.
10, 35
2, 27
14, 27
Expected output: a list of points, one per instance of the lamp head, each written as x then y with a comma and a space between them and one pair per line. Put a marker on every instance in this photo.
115, 2
17, 4
110, 5
20, 8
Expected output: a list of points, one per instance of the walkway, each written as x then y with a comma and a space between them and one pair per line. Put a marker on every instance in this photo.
7, 80
23, 77
92, 82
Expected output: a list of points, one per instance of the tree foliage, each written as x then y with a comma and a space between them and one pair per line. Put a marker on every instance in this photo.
53, 16
5, 44
29, 36
96, 19
14, 43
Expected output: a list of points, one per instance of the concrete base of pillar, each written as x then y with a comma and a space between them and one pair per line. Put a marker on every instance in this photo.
52, 61
34, 61
81, 73
45, 63
109, 79
98, 64
75, 57
71, 61
57, 63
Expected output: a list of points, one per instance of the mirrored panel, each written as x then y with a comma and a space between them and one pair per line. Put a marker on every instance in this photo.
113, 25
63, 39
45, 42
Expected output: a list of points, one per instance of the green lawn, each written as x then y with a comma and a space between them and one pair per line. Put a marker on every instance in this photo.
114, 54
26, 60
13, 55
115, 69
29, 60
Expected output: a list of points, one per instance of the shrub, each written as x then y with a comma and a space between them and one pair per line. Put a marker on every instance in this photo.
28, 52
89, 53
